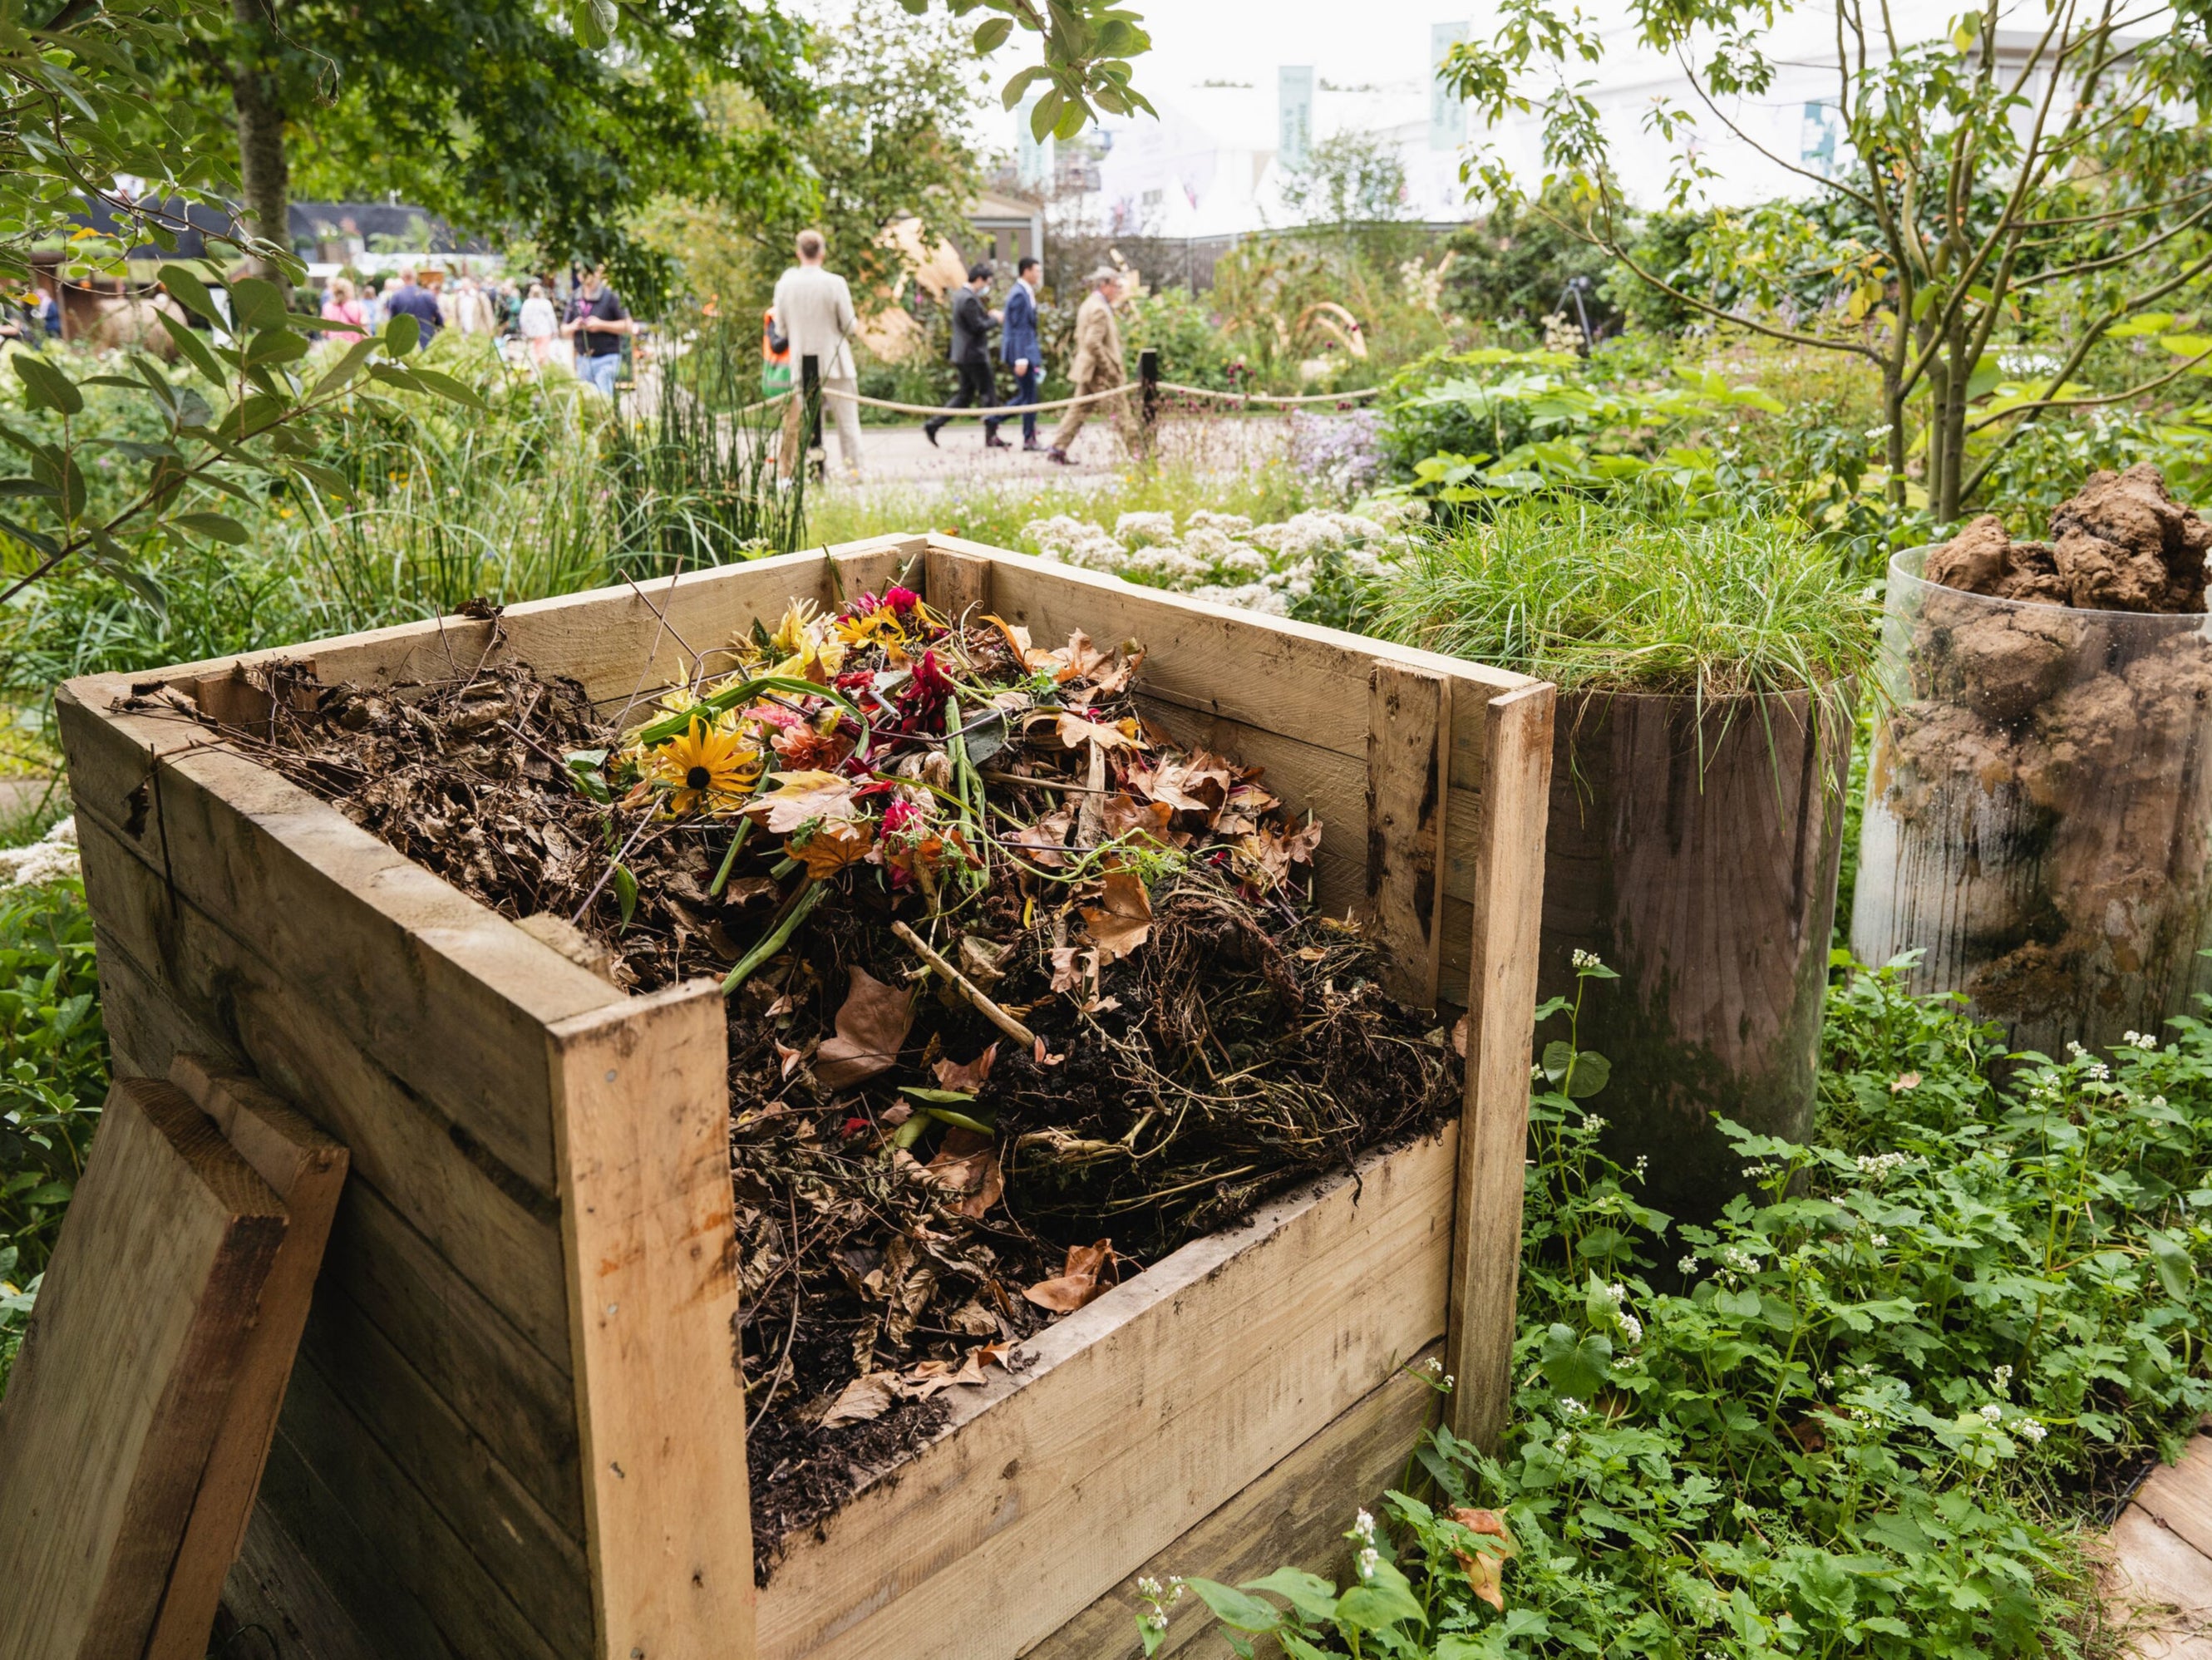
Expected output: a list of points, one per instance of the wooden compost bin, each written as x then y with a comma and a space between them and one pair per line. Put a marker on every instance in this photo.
516, 1428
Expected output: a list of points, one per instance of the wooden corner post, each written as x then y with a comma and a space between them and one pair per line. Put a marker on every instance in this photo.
1408, 777
1493, 1136
642, 1115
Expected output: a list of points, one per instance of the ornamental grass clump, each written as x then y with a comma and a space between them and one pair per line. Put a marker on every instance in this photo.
1602, 596
1879, 1407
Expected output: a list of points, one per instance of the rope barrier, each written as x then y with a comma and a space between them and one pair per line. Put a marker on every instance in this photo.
999, 414
1268, 398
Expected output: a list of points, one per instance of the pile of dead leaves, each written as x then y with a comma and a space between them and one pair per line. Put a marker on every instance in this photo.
1024, 994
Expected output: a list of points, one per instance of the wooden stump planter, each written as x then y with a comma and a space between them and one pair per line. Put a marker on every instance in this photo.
1695, 851
516, 1428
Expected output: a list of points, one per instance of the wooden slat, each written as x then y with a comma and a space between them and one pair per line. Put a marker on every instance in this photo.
274, 1586
872, 567
534, 1559
446, 995
1500, 1000
646, 1220
2178, 1497
1297, 1514
2158, 1588
1408, 762
306, 1170
175, 981
1137, 1418
118, 1391
959, 584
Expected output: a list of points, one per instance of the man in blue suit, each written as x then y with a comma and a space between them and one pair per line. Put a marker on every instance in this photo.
1018, 349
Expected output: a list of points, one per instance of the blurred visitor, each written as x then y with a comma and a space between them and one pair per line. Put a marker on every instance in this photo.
538, 325
1097, 365
971, 358
1019, 351
813, 312
597, 323
411, 299
341, 309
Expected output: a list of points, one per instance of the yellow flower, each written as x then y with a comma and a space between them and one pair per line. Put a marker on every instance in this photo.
795, 631
881, 627
707, 768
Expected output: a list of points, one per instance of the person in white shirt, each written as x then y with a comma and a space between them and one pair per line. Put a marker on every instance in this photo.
814, 312
539, 324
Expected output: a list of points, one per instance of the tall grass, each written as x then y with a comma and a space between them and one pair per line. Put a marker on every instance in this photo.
1634, 598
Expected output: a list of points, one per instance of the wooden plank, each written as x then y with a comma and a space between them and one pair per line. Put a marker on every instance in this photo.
959, 584
2158, 1586
118, 1391
1501, 1003
444, 993
1135, 1419
1408, 775
1269, 671
1297, 1514
2178, 1497
871, 567
414, 1547
536, 1561
306, 1170
174, 980
274, 1586
646, 1220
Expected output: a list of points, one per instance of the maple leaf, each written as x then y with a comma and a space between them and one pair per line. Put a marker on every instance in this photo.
1122, 919
834, 844
871, 1026
1045, 838
800, 796
967, 1075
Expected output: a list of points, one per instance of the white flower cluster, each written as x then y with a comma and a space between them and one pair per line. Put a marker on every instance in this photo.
50, 858
1369, 1558
1224, 556
1161, 1598
2142, 1040
1586, 959
1877, 1167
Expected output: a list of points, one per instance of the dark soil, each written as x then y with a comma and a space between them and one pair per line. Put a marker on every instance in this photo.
916, 1192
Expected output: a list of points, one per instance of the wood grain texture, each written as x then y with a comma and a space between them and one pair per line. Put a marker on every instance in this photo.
958, 584
2178, 1497
174, 980
1500, 1003
127, 1362
1408, 788
444, 994
1298, 1513
274, 1586
1133, 1419
2157, 1587
307, 1170
646, 1219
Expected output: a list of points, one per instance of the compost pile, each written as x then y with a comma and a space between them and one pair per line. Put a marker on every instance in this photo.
2061, 741
1023, 994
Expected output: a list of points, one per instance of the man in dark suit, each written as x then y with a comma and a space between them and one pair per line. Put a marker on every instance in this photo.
1019, 351
971, 356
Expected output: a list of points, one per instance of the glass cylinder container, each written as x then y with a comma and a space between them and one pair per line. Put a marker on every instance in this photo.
2038, 809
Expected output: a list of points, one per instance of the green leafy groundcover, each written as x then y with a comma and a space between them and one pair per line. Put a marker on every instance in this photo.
1878, 1409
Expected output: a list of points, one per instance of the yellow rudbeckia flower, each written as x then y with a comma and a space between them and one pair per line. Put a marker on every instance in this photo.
707, 768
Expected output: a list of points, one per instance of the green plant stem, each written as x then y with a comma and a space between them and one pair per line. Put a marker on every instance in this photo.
730, 859
803, 900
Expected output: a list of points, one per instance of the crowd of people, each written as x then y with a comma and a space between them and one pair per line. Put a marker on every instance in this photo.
813, 317
582, 330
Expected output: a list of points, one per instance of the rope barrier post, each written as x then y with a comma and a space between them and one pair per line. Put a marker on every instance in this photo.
810, 391
1148, 376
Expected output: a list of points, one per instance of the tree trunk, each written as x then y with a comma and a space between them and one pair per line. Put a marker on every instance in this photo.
1696, 855
257, 99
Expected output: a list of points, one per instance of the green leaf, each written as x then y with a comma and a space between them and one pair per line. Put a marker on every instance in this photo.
591, 22
186, 289
1385, 1600
1559, 1056
217, 526
26, 487
2171, 1263
1234, 1609
626, 892
1308, 1593
347, 366
1576, 1365
1045, 114
275, 345
45, 387
447, 386
992, 35
402, 335
45, 546
1591, 1073
258, 304
950, 1097
959, 1120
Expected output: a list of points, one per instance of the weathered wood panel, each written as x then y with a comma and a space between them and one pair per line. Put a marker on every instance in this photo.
127, 1366
1408, 757
1141, 1415
273, 1585
1298, 1513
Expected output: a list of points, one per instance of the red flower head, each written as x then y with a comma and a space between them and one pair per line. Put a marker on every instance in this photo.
899, 815
901, 599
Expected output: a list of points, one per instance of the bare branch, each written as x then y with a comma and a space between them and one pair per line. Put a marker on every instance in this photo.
1698, 86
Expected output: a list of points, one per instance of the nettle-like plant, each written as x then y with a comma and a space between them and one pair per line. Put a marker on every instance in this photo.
1871, 1410
228, 427
2051, 194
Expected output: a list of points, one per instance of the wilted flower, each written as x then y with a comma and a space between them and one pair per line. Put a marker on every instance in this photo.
1903, 1081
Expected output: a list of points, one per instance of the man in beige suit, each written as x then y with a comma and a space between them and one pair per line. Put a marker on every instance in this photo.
1097, 364
814, 312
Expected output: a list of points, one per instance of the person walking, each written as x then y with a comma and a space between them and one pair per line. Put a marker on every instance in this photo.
1097, 365
814, 313
596, 322
971, 358
412, 300
343, 310
538, 325
1018, 349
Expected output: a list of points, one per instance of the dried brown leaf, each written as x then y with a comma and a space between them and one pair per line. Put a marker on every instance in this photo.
864, 1399
967, 1074
871, 1026
1122, 919
1079, 1281
1486, 1569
